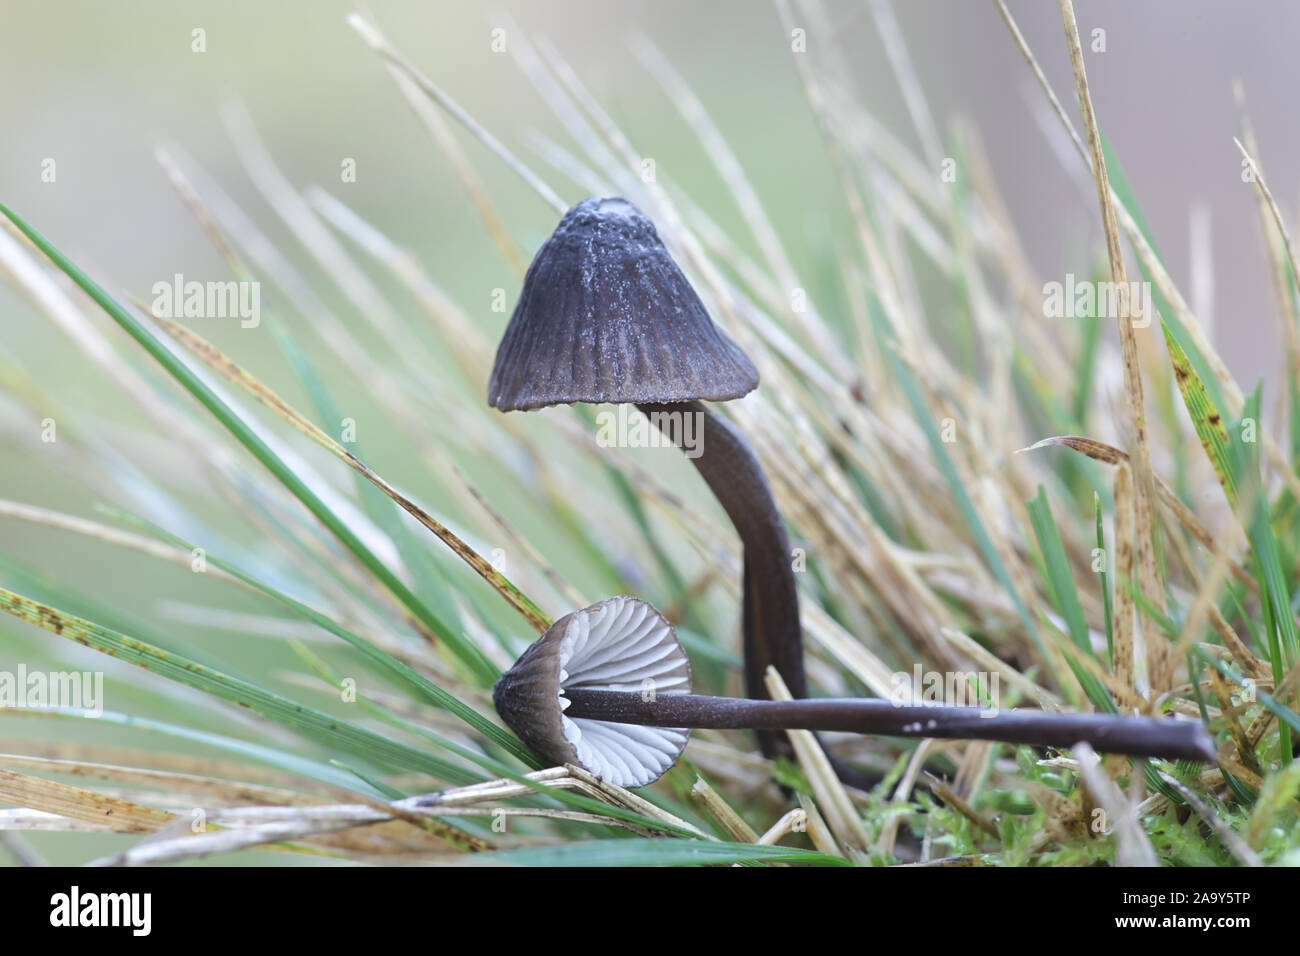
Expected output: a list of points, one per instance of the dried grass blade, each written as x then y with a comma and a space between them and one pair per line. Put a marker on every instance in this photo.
37, 793
1140, 455
1124, 561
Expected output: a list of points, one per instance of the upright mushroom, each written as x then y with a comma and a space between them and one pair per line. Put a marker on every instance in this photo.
607, 316
607, 688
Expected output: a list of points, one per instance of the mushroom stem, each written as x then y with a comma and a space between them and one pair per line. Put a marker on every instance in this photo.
1135, 736
770, 618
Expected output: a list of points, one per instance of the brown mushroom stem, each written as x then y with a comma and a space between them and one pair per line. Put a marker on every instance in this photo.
1108, 733
770, 618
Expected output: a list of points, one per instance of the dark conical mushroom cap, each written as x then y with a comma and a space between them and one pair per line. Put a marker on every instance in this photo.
606, 316
619, 644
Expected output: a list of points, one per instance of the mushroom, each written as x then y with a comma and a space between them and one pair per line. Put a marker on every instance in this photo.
606, 315
607, 688
620, 645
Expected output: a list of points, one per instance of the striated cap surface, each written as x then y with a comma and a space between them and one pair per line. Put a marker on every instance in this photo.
607, 316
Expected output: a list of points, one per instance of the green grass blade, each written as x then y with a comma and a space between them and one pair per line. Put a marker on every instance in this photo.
385, 513
486, 762
1104, 574
647, 852
1092, 326
1204, 414
1279, 619
316, 724
271, 756
1287, 717
1065, 593
387, 662
464, 650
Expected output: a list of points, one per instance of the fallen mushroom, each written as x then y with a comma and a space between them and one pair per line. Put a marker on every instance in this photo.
606, 315
607, 688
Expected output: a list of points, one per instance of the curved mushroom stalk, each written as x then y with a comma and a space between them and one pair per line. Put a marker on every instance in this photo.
770, 624
608, 688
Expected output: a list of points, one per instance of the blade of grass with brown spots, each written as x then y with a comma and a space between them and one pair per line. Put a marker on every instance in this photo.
1205, 416
24, 790
1124, 562
326, 728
